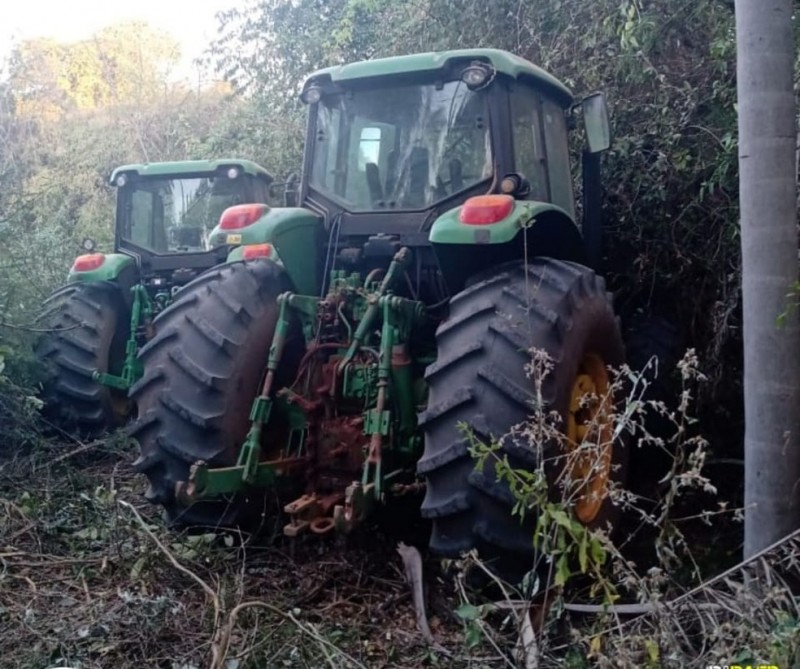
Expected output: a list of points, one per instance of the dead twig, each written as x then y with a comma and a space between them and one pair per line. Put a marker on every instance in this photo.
227, 630
30, 328
412, 563
77, 451
212, 595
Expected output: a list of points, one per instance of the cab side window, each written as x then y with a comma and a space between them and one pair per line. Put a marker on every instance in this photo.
555, 137
529, 152
141, 218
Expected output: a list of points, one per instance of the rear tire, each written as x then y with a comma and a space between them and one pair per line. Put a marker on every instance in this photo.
652, 340
653, 348
202, 371
89, 325
480, 379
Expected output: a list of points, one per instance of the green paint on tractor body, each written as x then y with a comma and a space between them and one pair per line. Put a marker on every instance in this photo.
114, 264
181, 168
449, 229
295, 233
415, 64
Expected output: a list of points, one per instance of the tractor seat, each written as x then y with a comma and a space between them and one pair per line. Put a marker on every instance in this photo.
373, 177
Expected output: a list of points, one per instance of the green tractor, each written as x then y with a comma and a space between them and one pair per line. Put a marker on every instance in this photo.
97, 322
393, 311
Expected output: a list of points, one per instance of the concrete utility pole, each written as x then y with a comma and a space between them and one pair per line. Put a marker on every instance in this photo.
767, 178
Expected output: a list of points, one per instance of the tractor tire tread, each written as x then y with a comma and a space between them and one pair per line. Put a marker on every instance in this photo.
486, 356
193, 373
83, 322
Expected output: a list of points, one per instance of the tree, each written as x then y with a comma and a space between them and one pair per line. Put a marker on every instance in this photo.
767, 183
124, 63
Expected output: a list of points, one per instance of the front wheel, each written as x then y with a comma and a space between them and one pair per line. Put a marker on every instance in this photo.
548, 313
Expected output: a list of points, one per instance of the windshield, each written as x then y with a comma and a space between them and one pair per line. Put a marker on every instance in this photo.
177, 215
403, 147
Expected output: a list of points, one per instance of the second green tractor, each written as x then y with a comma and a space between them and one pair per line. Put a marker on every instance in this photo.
95, 324
388, 321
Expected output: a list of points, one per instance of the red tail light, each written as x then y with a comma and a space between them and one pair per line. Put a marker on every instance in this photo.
241, 215
88, 262
252, 251
486, 209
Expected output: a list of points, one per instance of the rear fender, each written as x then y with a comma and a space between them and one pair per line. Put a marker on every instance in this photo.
117, 267
295, 235
531, 229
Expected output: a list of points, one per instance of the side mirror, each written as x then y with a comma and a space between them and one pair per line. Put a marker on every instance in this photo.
595, 121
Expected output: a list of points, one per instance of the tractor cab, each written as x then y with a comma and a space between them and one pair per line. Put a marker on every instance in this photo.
166, 211
425, 132
395, 148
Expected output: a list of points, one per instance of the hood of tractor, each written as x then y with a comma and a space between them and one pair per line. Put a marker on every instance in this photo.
185, 167
502, 61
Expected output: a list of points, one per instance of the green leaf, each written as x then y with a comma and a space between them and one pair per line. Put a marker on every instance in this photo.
136, 570
597, 551
562, 571
653, 652
582, 553
200, 539
469, 611
560, 518
473, 634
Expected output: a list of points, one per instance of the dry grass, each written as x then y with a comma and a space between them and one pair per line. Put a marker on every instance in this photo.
748, 615
84, 584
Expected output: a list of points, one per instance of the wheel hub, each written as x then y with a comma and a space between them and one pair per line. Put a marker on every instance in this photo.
589, 437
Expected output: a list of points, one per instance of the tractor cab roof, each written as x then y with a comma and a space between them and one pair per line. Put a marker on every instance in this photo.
502, 61
179, 168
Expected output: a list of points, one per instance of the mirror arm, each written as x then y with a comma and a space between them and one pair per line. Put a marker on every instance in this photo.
592, 227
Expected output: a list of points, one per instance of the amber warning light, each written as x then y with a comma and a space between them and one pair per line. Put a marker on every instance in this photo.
241, 215
253, 251
486, 209
88, 262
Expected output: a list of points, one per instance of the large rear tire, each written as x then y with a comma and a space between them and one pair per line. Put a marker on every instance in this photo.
480, 379
86, 325
653, 343
202, 372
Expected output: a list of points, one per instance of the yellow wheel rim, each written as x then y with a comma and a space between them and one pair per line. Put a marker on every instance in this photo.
590, 431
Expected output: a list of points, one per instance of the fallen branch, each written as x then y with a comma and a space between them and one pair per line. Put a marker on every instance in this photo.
638, 609
412, 563
77, 451
31, 328
227, 630
218, 611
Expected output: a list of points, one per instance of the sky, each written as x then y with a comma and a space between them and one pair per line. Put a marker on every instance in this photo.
190, 22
